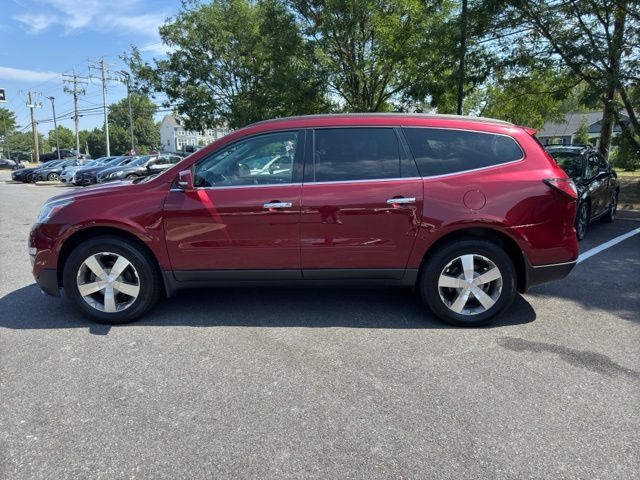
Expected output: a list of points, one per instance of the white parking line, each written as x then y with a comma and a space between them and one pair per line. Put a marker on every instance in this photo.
610, 243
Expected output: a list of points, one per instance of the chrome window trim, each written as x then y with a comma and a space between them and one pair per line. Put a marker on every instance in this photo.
364, 181
473, 169
228, 187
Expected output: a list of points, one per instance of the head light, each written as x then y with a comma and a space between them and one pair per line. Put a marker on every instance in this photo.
51, 207
116, 174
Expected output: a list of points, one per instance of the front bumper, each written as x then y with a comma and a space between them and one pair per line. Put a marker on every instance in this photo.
85, 180
47, 280
537, 275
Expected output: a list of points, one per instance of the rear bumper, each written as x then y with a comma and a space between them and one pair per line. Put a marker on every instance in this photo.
537, 275
47, 280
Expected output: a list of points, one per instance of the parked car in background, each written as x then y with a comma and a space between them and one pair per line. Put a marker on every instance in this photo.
465, 210
6, 163
26, 174
68, 173
88, 175
64, 153
597, 183
141, 167
52, 173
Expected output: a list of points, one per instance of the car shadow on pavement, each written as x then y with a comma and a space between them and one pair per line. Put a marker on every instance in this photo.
27, 308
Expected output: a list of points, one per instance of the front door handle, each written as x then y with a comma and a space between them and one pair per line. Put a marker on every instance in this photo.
278, 205
397, 201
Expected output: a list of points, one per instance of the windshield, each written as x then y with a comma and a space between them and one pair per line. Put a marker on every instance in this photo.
54, 163
142, 160
572, 163
114, 162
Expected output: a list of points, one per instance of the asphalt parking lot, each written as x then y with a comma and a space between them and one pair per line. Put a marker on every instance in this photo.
286, 383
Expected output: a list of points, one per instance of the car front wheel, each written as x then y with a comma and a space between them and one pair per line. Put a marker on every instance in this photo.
610, 216
582, 220
111, 279
53, 177
468, 282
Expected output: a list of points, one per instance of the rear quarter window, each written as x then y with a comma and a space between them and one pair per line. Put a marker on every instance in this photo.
440, 151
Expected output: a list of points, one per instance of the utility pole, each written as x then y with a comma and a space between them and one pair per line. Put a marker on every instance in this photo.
34, 128
75, 91
55, 123
463, 52
127, 75
102, 67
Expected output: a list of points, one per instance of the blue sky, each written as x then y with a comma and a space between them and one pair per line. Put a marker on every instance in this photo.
41, 39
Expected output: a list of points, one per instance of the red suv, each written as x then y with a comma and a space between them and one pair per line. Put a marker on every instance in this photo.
466, 210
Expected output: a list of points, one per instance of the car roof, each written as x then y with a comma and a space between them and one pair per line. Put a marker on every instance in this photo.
392, 118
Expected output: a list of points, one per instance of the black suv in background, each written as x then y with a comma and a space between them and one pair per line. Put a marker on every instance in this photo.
64, 153
141, 167
597, 183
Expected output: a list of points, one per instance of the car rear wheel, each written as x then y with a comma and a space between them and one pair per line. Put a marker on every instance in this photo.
111, 279
610, 216
53, 177
582, 220
468, 282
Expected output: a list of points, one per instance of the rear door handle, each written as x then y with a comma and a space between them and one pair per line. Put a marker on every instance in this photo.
396, 201
278, 205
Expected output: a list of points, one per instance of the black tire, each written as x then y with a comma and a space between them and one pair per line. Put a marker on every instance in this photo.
28, 178
582, 220
142, 261
436, 263
610, 216
52, 177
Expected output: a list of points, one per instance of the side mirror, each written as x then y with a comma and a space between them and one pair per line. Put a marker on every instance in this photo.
185, 180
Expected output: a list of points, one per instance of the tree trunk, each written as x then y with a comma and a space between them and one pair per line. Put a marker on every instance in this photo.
613, 74
606, 126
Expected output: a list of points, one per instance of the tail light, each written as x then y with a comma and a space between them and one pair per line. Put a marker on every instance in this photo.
564, 185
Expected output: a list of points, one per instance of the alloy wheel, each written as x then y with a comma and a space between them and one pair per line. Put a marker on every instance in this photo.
108, 282
53, 177
583, 220
470, 284
614, 206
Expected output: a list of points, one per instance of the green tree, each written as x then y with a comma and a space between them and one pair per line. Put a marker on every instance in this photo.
96, 142
596, 41
582, 134
237, 61
375, 52
529, 100
7, 126
21, 145
66, 137
145, 131
7, 120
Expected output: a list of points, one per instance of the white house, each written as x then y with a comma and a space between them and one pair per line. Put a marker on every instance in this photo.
564, 132
174, 136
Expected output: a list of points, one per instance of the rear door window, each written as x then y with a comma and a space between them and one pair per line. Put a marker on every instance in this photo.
440, 151
344, 154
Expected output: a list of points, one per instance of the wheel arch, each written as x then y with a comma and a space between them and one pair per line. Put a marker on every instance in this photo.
88, 233
497, 237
